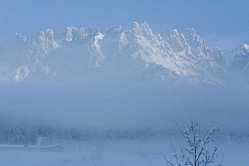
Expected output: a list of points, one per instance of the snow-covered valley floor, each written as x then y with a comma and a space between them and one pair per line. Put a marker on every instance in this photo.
149, 152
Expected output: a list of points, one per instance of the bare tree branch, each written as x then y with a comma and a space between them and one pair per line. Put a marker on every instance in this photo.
199, 149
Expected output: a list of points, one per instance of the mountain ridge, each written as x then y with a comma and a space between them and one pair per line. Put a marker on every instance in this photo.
178, 55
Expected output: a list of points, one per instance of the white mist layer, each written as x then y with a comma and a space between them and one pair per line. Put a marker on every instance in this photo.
121, 78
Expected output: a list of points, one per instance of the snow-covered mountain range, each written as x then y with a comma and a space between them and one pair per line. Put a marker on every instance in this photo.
78, 52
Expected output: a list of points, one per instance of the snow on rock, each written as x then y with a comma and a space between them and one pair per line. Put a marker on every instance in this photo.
22, 73
245, 48
47, 40
74, 33
241, 59
178, 55
69, 34
98, 56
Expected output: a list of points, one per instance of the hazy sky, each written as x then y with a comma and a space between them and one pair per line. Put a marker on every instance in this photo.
223, 18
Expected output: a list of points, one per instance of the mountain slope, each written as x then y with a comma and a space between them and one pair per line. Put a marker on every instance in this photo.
135, 50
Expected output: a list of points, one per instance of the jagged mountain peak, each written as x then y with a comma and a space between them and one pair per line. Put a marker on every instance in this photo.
245, 48
180, 54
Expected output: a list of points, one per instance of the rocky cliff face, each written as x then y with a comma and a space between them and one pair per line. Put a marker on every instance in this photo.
77, 51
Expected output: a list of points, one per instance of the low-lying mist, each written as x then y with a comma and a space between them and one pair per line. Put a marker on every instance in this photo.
124, 105
121, 79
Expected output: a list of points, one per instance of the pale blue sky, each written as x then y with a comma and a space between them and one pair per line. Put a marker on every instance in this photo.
215, 18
